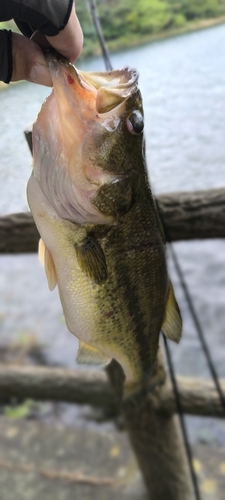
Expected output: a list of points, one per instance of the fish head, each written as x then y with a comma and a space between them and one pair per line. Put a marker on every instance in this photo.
88, 142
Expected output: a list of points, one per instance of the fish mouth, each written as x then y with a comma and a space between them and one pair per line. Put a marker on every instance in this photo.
102, 91
113, 88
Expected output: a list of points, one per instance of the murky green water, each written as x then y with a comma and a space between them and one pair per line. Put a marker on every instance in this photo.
183, 85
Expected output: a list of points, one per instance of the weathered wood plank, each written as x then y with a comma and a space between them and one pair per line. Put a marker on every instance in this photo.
198, 396
56, 384
193, 215
18, 234
186, 216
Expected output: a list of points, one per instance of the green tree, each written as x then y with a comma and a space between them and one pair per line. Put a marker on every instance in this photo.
149, 17
196, 9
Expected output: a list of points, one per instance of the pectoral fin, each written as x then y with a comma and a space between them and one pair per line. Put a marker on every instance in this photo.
91, 259
90, 355
41, 251
172, 322
45, 257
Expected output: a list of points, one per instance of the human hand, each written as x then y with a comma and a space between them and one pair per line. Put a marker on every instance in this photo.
28, 61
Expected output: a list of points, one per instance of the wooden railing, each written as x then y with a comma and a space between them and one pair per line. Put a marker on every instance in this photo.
186, 215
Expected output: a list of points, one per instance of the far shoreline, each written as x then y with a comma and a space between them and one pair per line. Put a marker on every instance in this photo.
119, 45
190, 27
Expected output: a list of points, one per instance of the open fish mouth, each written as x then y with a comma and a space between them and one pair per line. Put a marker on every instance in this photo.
103, 91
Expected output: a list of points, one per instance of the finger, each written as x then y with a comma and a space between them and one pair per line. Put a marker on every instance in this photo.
29, 62
69, 41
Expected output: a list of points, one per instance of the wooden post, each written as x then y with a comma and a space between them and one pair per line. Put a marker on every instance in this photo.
156, 440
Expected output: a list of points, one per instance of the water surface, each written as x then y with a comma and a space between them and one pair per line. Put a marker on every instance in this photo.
183, 86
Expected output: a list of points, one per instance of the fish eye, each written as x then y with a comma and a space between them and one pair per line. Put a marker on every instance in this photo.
135, 122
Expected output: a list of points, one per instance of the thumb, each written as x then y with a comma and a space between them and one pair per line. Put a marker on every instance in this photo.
29, 61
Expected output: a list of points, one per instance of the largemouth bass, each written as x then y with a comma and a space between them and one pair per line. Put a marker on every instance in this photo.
101, 238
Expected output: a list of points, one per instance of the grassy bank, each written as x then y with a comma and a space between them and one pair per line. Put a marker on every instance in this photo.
121, 44
136, 40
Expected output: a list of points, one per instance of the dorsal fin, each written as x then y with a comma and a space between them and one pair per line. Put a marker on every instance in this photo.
90, 355
172, 322
45, 257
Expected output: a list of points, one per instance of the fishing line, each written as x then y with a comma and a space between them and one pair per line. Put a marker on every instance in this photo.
182, 420
175, 388
187, 295
198, 327
109, 66
193, 313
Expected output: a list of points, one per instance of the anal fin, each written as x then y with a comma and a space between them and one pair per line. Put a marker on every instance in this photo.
90, 355
172, 322
45, 257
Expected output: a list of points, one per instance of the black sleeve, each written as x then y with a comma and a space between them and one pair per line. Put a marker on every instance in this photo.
47, 16
5, 56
